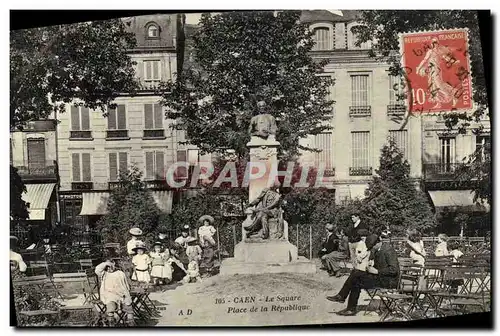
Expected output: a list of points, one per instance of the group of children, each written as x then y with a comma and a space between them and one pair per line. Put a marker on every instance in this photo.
443, 248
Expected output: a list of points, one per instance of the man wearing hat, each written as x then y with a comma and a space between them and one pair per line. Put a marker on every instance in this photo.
384, 273
331, 251
206, 231
135, 233
353, 235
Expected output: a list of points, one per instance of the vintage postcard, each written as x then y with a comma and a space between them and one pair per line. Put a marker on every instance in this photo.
250, 168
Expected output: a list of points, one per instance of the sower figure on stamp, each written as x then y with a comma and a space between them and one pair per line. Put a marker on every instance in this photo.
267, 209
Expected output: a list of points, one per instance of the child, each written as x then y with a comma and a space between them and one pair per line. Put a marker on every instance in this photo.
160, 272
417, 251
135, 233
362, 253
206, 230
441, 248
456, 253
142, 264
193, 272
193, 250
114, 291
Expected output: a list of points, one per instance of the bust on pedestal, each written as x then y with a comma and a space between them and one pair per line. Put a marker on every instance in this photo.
265, 247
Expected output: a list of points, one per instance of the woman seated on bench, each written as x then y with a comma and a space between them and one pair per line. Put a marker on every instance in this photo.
333, 250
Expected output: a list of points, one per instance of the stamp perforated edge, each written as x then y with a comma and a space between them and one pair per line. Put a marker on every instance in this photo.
469, 111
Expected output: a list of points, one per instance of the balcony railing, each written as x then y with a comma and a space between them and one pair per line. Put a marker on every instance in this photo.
360, 171
82, 185
38, 172
397, 109
116, 134
360, 111
329, 172
87, 135
152, 134
441, 171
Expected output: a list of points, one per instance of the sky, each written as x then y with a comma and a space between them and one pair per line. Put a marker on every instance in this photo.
194, 18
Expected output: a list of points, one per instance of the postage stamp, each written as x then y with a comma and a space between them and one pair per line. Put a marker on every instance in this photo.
437, 67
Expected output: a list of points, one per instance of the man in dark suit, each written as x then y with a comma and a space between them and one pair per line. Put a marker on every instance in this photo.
331, 251
353, 235
384, 273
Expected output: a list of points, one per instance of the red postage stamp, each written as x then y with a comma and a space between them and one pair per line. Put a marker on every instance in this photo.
437, 66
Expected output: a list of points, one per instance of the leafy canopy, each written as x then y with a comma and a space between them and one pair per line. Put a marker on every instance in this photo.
240, 58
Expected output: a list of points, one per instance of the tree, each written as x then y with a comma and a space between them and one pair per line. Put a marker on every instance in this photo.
18, 207
241, 58
382, 28
392, 198
49, 66
130, 204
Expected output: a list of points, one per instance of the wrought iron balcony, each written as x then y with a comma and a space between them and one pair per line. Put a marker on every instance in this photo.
360, 111
441, 171
153, 134
82, 185
360, 171
329, 172
41, 173
396, 109
80, 135
117, 134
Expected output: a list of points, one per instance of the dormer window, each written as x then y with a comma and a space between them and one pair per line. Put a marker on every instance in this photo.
352, 38
153, 31
323, 36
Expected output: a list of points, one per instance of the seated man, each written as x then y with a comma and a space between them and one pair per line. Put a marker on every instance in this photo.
384, 273
114, 291
332, 250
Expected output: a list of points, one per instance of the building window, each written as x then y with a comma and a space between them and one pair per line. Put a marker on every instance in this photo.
152, 70
80, 123
81, 167
155, 165
70, 210
153, 121
360, 154
447, 155
117, 122
360, 104
401, 140
352, 39
118, 163
324, 142
483, 146
153, 31
36, 154
331, 89
322, 38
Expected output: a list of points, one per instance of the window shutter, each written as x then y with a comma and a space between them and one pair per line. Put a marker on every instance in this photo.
122, 118
156, 74
36, 153
113, 170
149, 165
160, 165
85, 119
86, 167
112, 119
75, 118
123, 162
181, 157
158, 116
148, 116
76, 167
147, 65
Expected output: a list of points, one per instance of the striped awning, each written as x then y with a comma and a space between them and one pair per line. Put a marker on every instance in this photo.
94, 203
457, 198
38, 197
163, 199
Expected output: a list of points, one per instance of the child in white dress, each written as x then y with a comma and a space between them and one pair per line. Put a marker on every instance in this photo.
193, 250
142, 264
362, 253
417, 250
160, 272
193, 272
206, 231
442, 246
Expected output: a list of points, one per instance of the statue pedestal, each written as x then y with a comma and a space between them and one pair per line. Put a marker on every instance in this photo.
272, 251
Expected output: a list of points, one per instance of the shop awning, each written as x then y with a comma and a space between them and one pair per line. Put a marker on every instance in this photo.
38, 197
163, 199
94, 203
463, 199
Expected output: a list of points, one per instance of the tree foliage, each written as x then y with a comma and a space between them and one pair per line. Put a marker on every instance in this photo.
18, 207
239, 59
130, 205
382, 28
392, 198
49, 66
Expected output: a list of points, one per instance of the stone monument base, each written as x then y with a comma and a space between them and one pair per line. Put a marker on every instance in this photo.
259, 257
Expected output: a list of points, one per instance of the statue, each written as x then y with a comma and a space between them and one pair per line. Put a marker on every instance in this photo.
265, 218
263, 124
